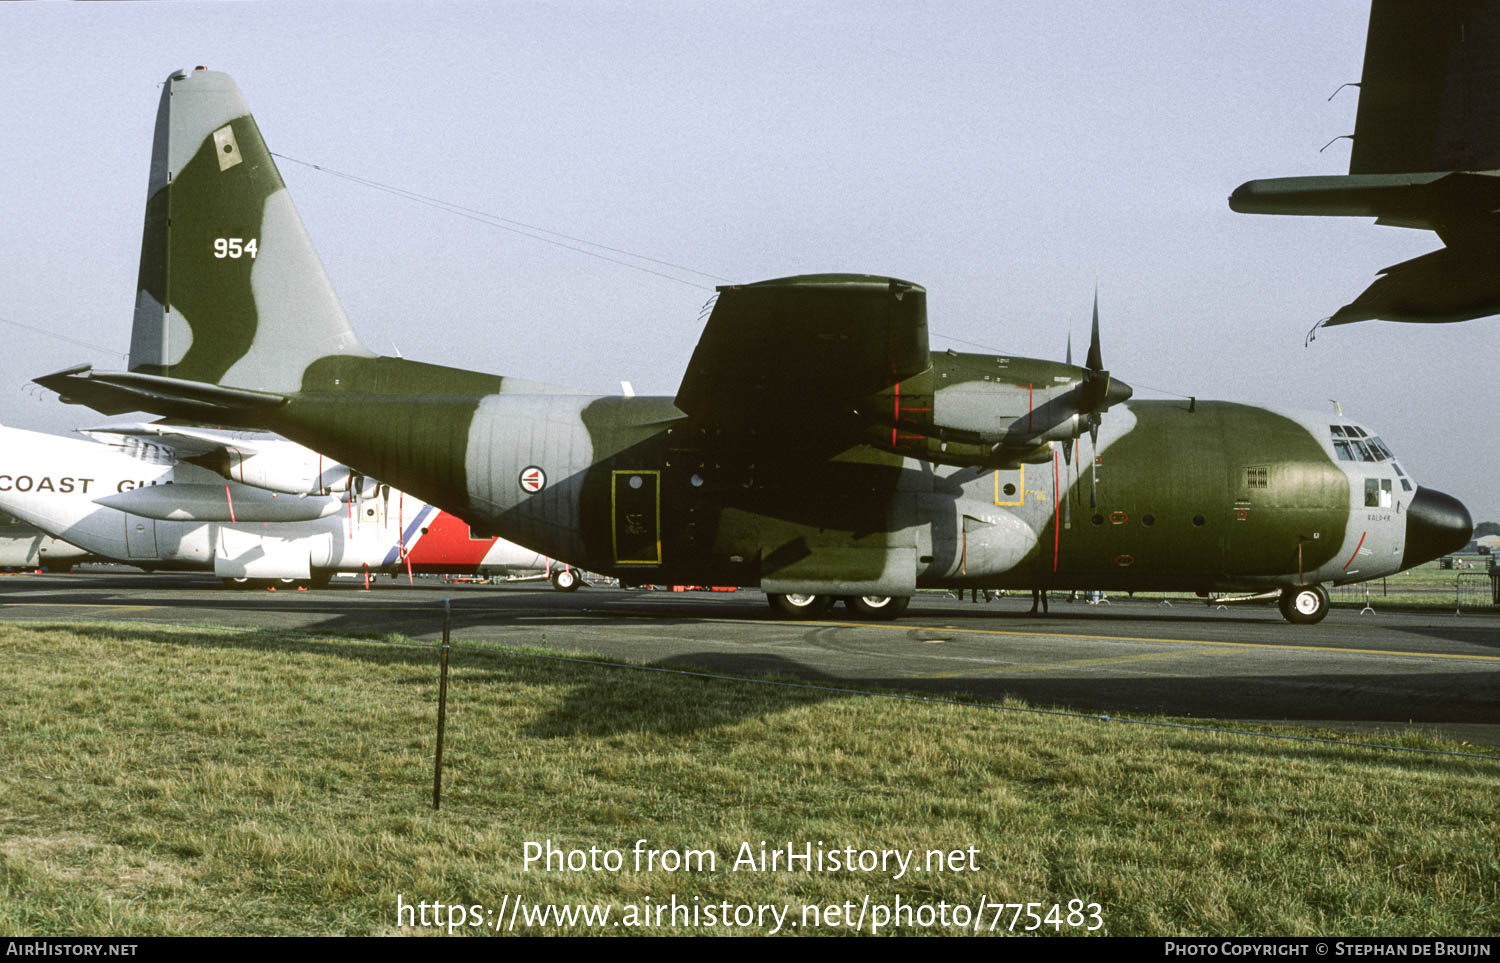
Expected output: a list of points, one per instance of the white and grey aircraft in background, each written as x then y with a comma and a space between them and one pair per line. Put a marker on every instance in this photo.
251, 507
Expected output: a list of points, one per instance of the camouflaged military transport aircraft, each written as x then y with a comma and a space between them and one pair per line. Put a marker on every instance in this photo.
816, 447
1426, 155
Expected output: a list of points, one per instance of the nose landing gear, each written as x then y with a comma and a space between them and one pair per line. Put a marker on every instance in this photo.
1304, 604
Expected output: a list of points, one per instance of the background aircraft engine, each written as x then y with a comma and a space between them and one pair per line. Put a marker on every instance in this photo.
216, 503
289, 469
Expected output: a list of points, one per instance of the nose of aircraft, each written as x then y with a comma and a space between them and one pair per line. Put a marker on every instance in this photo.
1436, 524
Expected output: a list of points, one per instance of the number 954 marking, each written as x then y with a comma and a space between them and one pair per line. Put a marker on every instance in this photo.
234, 247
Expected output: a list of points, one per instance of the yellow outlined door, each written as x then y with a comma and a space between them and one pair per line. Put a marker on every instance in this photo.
635, 512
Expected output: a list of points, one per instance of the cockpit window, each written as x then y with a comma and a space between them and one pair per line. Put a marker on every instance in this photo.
1351, 443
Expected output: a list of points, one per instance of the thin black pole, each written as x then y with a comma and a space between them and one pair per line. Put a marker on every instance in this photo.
437, 769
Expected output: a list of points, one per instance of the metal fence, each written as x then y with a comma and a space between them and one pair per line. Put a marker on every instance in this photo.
1458, 591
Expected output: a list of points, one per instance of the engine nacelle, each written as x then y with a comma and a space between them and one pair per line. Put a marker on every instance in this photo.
216, 503
990, 412
282, 467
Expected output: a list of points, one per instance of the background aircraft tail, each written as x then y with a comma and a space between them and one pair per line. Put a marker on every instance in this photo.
231, 290
1429, 97
1426, 155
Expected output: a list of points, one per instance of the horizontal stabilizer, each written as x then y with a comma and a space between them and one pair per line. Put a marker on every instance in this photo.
115, 392
1441, 287
1421, 200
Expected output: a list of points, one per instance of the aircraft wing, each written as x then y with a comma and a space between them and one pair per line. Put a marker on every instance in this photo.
186, 441
791, 353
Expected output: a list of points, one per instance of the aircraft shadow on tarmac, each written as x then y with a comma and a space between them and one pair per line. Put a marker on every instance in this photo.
1483, 636
600, 707
584, 607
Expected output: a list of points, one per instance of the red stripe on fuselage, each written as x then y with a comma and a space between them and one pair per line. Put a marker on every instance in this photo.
445, 546
1356, 550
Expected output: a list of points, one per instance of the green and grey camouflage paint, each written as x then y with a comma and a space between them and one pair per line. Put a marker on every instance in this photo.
816, 444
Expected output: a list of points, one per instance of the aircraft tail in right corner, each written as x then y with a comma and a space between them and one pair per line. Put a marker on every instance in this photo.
1429, 97
1426, 155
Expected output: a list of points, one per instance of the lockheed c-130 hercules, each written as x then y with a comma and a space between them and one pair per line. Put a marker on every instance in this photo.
816, 447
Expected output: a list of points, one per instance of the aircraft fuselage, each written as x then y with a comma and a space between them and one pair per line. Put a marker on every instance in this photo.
1200, 496
55, 484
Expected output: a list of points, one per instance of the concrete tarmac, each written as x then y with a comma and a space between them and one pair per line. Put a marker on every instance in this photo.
1364, 674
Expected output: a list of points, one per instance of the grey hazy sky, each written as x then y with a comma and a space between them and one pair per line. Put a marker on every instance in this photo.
1004, 155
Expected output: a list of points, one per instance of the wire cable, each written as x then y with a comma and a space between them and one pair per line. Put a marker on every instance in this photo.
519, 227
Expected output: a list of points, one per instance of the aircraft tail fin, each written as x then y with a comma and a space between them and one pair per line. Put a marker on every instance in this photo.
1429, 97
1426, 156
230, 290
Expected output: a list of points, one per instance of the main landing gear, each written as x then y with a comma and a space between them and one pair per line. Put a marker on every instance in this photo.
318, 579
881, 607
1304, 604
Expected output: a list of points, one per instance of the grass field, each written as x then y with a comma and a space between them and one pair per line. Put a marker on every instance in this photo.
208, 781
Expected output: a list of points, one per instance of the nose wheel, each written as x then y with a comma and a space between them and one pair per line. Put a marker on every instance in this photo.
1304, 604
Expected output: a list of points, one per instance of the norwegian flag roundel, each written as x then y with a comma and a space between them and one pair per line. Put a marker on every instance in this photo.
533, 479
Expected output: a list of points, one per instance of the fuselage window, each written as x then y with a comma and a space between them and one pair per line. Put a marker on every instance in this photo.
1377, 493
